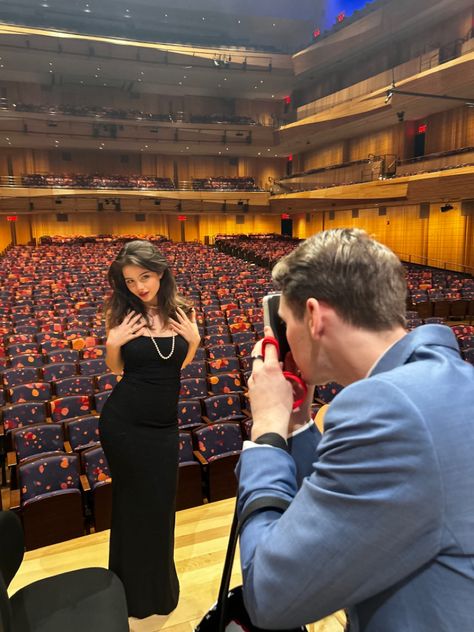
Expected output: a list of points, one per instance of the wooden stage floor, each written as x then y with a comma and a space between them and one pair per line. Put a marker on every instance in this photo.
201, 540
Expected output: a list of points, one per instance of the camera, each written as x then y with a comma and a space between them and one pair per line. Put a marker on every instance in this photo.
271, 302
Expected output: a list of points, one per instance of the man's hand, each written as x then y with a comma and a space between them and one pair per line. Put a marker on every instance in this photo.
271, 396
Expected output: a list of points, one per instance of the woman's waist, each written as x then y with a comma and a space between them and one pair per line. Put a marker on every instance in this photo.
150, 378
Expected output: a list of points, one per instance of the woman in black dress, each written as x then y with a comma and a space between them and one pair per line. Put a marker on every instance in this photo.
152, 334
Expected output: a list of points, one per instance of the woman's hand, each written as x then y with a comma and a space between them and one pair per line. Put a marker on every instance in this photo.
186, 327
132, 326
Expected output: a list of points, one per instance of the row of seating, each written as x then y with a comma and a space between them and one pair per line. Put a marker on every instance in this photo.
100, 111
96, 181
97, 111
61, 482
229, 119
223, 183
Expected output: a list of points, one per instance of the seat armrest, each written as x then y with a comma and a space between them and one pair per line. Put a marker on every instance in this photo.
11, 459
206, 419
15, 499
67, 447
85, 483
202, 460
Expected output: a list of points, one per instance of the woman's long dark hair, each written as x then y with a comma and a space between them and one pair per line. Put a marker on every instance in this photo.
146, 255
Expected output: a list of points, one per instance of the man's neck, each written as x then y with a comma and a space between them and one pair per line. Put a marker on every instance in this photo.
356, 353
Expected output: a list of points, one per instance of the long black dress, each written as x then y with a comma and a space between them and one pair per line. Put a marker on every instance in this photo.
139, 434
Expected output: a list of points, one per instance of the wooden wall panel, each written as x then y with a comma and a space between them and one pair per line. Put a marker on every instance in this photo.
406, 234
263, 112
203, 167
401, 229
450, 130
446, 236
157, 165
5, 234
191, 228
98, 223
262, 170
387, 141
300, 226
95, 161
330, 155
211, 225
468, 257
24, 229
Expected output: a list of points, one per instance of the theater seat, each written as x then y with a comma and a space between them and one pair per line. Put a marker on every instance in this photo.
90, 599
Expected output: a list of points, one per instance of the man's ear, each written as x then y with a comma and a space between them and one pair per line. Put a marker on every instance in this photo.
313, 310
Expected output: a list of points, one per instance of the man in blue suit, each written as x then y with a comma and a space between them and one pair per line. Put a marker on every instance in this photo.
381, 507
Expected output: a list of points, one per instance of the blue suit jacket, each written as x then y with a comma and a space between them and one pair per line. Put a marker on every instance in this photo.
381, 520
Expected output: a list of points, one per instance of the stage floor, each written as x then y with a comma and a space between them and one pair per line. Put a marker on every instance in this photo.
201, 541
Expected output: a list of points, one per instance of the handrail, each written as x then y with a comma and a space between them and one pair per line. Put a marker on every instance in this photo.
434, 263
439, 154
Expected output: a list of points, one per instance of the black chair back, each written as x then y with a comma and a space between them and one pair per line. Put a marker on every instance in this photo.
12, 543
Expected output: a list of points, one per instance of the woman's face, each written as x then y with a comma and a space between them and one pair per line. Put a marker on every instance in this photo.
143, 283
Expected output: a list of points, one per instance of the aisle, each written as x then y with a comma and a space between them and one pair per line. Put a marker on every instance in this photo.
201, 540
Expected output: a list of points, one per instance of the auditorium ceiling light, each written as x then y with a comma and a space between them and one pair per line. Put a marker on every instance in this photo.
87, 9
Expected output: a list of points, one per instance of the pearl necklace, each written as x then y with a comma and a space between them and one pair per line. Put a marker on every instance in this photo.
163, 357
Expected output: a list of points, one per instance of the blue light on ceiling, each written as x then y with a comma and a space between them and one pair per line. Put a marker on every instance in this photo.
336, 8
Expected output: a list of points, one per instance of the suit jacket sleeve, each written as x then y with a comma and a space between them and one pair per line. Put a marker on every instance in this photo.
363, 520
